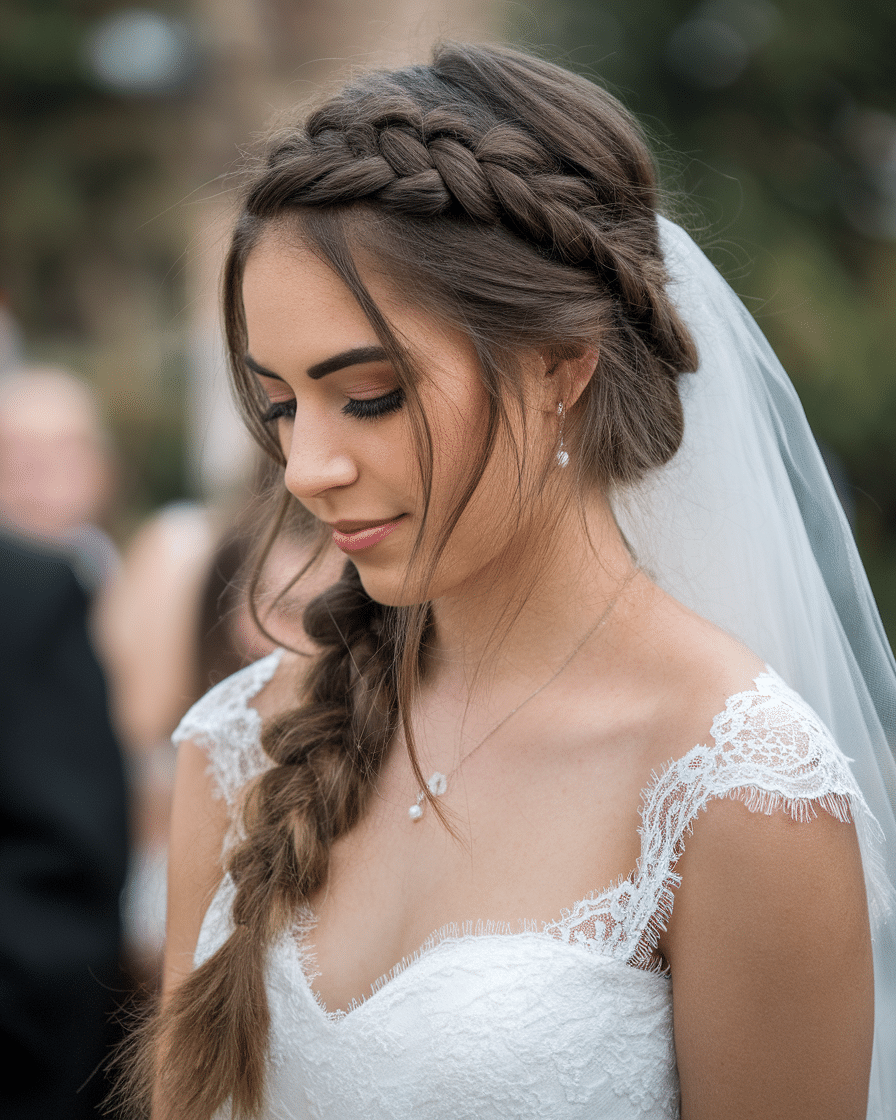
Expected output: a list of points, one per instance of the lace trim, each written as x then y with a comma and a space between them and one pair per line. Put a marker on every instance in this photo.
449, 934
228, 729
770, 751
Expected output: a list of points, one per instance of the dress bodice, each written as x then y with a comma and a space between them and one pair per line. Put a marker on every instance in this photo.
566, 1019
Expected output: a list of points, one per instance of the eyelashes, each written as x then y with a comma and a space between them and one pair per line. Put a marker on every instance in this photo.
359, 409
378, 406
278, 411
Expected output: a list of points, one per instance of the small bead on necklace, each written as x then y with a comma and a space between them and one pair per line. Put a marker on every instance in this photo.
438, 783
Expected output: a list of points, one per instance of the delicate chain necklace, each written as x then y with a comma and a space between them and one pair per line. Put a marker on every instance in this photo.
438, 783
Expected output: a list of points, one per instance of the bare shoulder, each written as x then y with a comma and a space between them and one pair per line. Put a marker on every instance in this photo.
282, 691
199, 823
746, 867
770, 954
767, 938
680, 671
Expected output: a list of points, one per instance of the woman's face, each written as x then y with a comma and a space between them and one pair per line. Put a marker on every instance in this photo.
346, 434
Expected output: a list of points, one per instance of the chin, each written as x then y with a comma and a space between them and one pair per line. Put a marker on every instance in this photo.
385, 587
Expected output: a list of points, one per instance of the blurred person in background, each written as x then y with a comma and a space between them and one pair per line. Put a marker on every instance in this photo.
176, 620
63, 843
146, 623
56, 467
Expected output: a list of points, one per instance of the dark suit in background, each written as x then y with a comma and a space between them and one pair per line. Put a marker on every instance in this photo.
63, 843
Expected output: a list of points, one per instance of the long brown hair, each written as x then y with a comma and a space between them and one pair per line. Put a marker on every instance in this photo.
516, 202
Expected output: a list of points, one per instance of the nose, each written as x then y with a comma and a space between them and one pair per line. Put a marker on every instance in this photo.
314, 464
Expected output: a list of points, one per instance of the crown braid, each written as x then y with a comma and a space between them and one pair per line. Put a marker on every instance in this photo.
435, 164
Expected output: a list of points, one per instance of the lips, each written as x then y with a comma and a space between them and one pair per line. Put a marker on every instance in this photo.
355, 526
363, 534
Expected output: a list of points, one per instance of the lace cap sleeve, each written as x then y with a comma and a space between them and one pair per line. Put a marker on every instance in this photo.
769, 750
224, 725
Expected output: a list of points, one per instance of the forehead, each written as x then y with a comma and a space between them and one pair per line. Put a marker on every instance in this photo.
299, 312
294, 301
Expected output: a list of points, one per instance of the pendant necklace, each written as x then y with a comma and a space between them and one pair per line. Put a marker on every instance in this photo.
438, 783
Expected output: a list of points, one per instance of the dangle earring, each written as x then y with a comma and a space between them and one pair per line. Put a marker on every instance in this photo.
562, 454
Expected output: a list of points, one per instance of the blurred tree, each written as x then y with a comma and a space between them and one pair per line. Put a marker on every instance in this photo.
786, 117
122, 122
92, 282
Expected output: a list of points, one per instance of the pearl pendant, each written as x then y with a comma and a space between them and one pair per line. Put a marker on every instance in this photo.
436, 785
562, 458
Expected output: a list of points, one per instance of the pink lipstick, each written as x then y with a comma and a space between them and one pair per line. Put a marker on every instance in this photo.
364, 538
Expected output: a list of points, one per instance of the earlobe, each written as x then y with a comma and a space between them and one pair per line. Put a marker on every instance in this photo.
574, 373
564, 374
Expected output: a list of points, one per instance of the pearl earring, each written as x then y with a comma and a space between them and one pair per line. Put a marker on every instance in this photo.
562, 455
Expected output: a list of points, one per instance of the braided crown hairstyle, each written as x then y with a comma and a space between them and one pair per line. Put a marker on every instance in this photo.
516, 202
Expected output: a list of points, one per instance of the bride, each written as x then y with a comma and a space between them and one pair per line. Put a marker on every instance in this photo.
537, 829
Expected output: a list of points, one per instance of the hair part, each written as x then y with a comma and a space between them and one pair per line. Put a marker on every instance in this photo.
516, 203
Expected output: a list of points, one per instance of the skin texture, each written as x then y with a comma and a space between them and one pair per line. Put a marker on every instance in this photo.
785, 903
198, 825
786, 898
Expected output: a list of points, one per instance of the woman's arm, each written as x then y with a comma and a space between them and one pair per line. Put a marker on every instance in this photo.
772, 978
199, 824
202, 811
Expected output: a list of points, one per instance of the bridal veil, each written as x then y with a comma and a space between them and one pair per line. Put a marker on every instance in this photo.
744, 527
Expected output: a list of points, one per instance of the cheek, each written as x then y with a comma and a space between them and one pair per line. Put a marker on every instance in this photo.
511, 504
458, 425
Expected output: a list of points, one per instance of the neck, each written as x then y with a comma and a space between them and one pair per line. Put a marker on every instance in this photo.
519, 620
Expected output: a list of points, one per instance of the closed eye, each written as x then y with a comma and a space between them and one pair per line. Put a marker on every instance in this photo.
358, 408
377, 406
279, 410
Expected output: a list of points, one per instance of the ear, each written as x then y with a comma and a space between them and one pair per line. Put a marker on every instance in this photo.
566, 374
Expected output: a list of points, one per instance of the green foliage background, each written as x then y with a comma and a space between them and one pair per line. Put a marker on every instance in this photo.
92, 237
787, 176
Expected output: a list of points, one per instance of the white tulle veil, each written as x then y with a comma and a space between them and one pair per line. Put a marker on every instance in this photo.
744, 526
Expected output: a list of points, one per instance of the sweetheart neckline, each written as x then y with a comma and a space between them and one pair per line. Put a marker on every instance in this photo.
297, 933
448, 936
307, 919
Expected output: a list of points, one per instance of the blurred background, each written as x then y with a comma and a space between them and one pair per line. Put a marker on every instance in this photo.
122, 130
121, 127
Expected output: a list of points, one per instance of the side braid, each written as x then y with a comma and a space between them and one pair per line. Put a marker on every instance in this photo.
322, 748
326, 755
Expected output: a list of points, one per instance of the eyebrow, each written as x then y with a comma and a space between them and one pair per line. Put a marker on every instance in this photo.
361, 355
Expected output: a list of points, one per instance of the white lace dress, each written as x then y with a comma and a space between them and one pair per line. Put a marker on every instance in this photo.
563, 1020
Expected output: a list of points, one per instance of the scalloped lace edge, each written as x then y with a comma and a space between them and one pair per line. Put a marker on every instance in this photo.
757, 800
643, 957
450, 933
